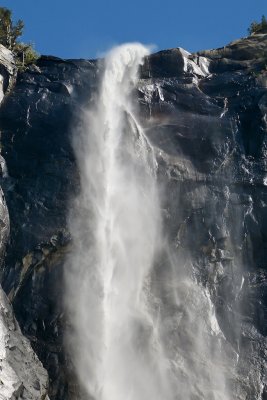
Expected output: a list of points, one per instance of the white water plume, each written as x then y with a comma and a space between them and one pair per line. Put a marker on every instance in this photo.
115, 238
137, 334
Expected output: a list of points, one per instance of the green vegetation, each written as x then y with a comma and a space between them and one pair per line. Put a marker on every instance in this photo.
25, 55
258, 27
9, 33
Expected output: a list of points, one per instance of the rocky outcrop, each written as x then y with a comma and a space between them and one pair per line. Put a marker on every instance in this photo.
248, 53
22, 375
8, 70
205, 114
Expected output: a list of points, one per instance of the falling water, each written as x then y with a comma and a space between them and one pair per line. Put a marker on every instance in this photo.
136, 334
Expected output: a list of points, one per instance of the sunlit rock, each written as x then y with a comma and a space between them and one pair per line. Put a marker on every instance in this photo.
22, 374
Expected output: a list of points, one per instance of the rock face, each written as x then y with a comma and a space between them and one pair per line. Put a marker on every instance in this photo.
37, 121
8, 71
205, 114
210, 136
22, 375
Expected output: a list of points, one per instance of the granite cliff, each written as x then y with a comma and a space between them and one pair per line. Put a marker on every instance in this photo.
22, 375
205, 114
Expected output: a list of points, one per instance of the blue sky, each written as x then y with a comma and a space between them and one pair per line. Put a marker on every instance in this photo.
86, 28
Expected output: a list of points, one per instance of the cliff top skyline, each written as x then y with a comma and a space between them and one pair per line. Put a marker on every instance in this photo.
87, 29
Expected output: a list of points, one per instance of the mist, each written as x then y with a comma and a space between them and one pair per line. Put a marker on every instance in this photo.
141, 327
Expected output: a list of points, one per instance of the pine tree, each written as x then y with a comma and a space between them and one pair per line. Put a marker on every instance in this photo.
258, 27
9, 31
263, 22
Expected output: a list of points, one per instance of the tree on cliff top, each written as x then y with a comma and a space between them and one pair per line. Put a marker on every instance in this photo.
9, 33
258, 27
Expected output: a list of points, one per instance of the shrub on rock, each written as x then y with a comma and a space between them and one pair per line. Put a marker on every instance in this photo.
258, 27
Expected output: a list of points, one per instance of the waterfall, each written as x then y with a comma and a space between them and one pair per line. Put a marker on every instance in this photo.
141, 328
